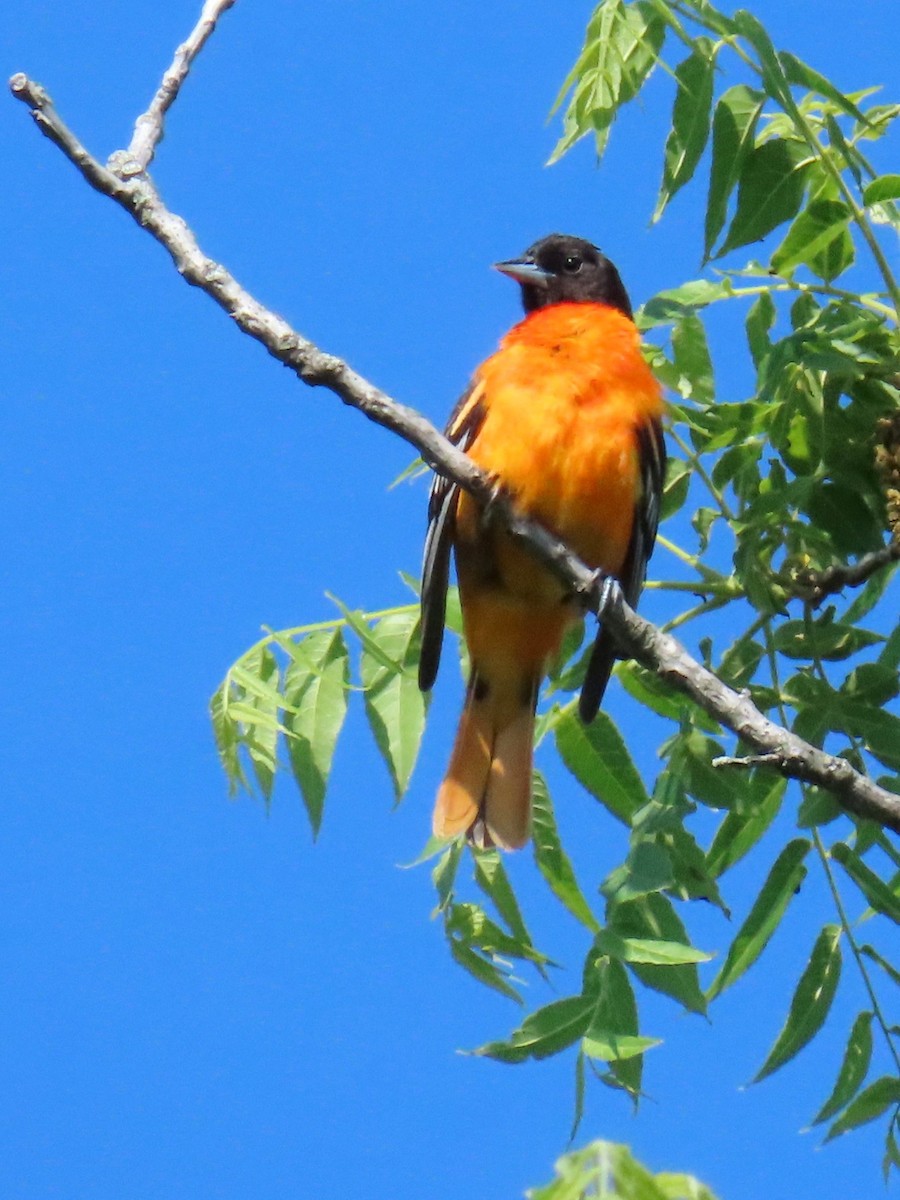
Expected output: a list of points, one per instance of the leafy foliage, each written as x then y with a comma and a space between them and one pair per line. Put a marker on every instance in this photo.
610, 1170
296, 683
781, 486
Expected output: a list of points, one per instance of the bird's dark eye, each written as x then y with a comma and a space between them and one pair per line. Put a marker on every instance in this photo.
572, 264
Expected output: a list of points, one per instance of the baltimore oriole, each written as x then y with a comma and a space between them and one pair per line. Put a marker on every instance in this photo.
566, 417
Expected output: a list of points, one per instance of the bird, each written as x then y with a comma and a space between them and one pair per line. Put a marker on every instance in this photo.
566, 419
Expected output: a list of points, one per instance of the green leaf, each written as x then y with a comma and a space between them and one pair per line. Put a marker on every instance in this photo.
252, 674
567, 673
606, 1170
552, 861
257, 674
770, 191
578, 1113
228, 741
890, 654
621, 49
822, 638
733, 129
880, 118
252, 717
674, 303
885, 187
853, 1070
315, 687
615, 1013
740, 661
785, 877
547, 1031
891, 1153
868, 596
647, 869
682, 1187
880, 729
693, 879
471, 925
797, 432
820, 224
773, 72
877, 1098
443, 876
892, 972
843, 513
739, 465
648, 950
758, 325
703, 520
692, 360
608, 1046
371, 644
818, 807
878, 894
691, 758
690, 121
411, 471
872, 683
394, 705
843, 149
648, 689
491, 877
835, 257
811, 1001
599, 759
482, 969
741, 830
675, 492
654, 916
802, 75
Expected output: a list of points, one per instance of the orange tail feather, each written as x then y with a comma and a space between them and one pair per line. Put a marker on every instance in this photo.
487, 789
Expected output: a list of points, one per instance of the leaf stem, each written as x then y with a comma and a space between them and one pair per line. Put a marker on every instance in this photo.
728, 589
701, 470
863, 970
809, 289
271, 636
824, 859
692, 560
699, 610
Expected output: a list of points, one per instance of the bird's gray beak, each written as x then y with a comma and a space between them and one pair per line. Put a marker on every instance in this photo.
524, 270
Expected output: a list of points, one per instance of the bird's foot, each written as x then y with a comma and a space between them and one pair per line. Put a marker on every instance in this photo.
603, 593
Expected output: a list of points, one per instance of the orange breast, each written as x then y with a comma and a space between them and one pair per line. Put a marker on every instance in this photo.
563, 397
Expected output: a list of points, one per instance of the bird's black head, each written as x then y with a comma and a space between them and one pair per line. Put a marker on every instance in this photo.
561, 269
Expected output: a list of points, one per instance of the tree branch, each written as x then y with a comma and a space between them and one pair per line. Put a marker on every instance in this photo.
148, 129
816, 586
135, 192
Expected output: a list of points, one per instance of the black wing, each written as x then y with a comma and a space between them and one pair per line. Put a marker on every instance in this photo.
464, 423
652, 457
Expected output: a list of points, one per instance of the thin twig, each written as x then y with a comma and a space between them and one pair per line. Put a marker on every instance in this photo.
748, 760
815, 586
637, 638
148, 129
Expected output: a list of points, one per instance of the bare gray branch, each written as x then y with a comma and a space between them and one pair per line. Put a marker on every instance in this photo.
148, 129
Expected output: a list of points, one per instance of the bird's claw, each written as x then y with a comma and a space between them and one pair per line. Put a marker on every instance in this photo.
603, 592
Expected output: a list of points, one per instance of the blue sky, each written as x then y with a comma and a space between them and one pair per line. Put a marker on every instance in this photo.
197, 1002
